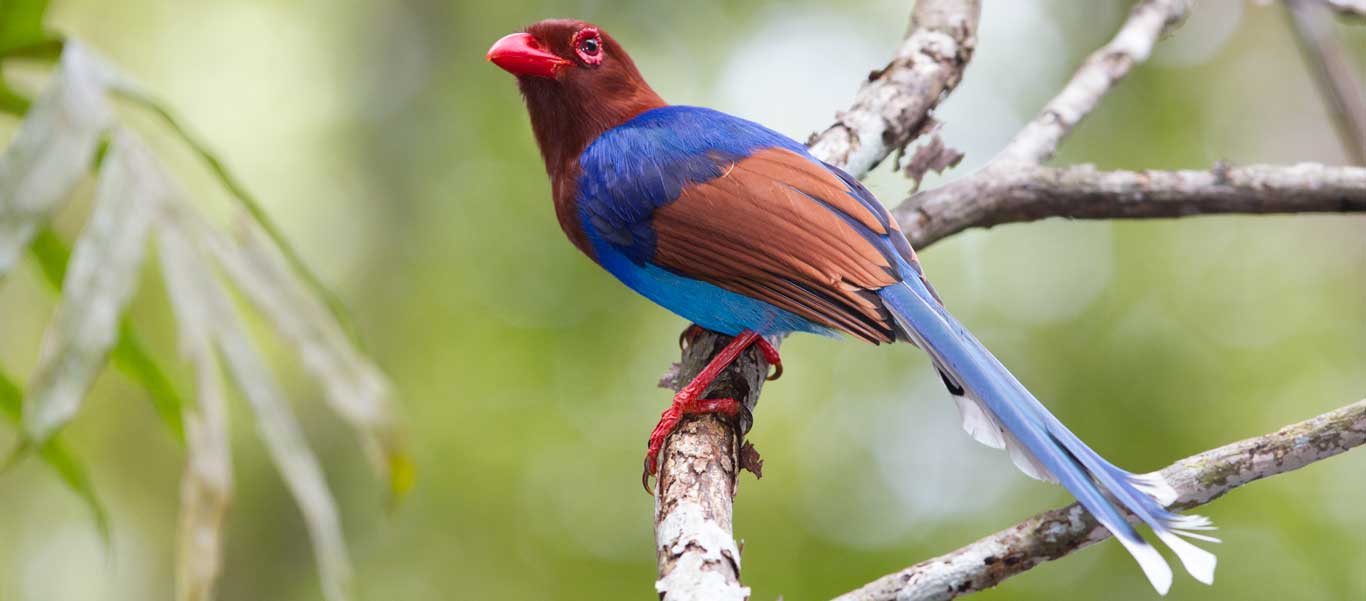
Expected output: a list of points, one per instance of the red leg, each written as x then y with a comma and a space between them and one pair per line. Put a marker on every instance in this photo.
688, 401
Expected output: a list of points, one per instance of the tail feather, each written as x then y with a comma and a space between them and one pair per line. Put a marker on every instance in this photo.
999, 411
979, 423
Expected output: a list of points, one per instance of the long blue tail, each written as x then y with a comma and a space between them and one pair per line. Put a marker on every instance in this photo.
998, 411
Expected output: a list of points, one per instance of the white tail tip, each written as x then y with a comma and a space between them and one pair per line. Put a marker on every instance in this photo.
1199, 562
1152, 563
1156, 486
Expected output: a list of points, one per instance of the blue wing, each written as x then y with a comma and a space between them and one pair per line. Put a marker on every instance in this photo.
727, 204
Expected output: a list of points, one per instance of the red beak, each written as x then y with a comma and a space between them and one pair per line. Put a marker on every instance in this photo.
522, 54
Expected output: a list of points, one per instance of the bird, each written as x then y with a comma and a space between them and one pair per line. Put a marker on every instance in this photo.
739, 230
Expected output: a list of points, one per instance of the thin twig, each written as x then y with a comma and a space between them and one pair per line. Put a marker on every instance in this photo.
1133, 43
697, 557
1039, 139
1198, 480
1028, 193
1333, 72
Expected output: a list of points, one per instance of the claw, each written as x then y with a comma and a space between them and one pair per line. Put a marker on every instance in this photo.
688, 401
685, 403
777, 372
688, 335
771, 356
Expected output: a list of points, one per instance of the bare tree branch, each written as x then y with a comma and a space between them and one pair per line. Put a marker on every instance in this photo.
1014, 187
697, 557
1017, 165
1198, 480
695, 549
1028, 193
1333, 73
894, 105
1355, 9
1039, 139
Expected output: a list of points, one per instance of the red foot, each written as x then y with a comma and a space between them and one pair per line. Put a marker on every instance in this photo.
687, 401
669, 421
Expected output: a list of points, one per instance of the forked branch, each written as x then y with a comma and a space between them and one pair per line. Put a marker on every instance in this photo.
698, 558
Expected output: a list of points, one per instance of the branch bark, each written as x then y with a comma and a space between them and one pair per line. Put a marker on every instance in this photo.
696, 554
892, 108
1197, 479
695, 551
1028, 193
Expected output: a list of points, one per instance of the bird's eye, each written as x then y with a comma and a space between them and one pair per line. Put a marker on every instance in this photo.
588, 45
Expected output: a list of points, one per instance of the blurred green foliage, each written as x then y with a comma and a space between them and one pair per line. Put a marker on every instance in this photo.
21, 23
55, 453
402, 165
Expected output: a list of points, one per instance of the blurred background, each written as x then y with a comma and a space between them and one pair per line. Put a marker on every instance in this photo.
402, 166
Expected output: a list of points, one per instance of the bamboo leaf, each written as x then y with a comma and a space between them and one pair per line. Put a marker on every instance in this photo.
70, 469
247, 201
354, 387
132, 358
130, 355
133, 196
52, 150
208, 310
206, 487
98, 285
296, 462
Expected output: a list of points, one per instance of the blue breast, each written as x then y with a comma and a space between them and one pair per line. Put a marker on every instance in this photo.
709, 306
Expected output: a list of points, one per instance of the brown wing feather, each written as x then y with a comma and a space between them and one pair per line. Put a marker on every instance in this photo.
757, 231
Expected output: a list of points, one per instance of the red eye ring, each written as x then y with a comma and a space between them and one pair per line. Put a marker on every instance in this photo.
587, 44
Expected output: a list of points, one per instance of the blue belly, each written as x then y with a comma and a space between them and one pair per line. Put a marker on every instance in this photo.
704, 304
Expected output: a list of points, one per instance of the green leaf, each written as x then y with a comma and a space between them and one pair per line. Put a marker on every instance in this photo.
132, 358
130, 355
55, 454
12, 102
21, 24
